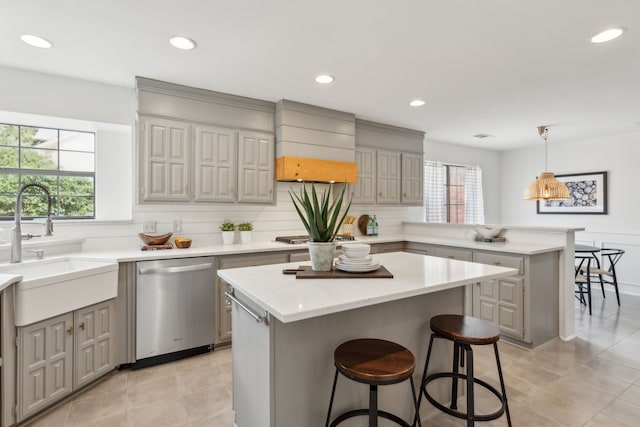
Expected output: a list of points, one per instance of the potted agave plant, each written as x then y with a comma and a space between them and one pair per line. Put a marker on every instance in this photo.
322, 219
245, 229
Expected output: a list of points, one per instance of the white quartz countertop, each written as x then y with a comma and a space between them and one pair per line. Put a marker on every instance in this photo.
7, 279
290, 299
135, 254
507, 246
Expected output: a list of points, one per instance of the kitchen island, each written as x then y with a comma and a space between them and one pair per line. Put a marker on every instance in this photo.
286, 330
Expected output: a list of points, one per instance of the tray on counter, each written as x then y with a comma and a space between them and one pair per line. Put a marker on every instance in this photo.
305, 272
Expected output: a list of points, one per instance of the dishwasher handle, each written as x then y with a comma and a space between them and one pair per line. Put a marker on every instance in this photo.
260, 319
182, 269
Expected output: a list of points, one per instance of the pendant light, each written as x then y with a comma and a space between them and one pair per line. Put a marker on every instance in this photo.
546, 186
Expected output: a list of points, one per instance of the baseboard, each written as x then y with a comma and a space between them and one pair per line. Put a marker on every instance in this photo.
629, 289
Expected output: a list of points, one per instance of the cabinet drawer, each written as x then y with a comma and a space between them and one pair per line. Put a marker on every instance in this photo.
509, 261
459, 254
250, 260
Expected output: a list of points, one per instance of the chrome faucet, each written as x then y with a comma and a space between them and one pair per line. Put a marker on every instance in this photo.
16, 242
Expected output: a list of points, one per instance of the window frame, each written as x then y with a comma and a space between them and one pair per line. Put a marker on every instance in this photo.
21, 172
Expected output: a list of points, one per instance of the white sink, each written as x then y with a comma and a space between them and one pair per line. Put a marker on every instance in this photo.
55, 286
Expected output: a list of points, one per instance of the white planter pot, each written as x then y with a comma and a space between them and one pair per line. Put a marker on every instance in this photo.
321, 254
245, 237
227, 237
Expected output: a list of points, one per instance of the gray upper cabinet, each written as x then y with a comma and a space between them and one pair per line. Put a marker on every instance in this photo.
390, 165
364, 191
200, 146
164, 153
225, 165
412, 179
256, 161
215, 164
388, 177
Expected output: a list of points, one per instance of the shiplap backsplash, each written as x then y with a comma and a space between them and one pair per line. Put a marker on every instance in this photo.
202, 222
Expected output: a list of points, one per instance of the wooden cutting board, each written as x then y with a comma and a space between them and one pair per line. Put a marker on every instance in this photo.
305, 272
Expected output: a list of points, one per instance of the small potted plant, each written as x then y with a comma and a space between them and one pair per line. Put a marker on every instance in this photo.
228, 229
245, 228
322, 219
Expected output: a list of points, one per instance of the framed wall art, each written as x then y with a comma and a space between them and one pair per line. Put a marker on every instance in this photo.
588, 195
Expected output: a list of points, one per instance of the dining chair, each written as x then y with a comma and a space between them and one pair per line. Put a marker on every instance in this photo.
608, 276
583, 280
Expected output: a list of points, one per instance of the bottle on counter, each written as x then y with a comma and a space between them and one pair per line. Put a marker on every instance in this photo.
375, 225
370, 227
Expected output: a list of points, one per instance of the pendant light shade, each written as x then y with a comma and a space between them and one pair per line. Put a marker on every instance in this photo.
546, 186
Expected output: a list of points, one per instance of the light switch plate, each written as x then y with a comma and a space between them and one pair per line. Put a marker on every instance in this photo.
177, 225
148, 226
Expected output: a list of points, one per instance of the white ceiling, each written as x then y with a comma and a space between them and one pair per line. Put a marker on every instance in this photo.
500, 67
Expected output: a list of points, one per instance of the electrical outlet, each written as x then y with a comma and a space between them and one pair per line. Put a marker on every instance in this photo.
148, 226
177, 225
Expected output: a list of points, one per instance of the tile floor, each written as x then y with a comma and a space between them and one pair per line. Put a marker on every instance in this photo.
592, 381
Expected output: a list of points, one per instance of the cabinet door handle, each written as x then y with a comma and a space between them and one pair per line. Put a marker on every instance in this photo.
70, 330
81, 326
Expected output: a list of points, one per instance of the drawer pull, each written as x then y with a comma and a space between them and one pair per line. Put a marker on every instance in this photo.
451, 257
497, 263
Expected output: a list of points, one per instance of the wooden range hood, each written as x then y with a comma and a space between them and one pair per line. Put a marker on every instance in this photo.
289, 168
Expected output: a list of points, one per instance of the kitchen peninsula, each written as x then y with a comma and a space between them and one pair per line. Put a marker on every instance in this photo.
287, 330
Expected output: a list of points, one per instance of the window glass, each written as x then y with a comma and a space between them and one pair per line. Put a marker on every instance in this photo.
77, 161
455, 194
9, 157
9, 135
35, 158
77, 141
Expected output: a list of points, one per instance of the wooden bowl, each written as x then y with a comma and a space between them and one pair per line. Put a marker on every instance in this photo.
182, 243
154, 240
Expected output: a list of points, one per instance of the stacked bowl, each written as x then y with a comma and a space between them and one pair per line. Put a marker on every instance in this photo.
356, 259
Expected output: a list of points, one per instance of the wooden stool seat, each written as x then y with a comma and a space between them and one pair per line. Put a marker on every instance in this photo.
465, 329
374, 361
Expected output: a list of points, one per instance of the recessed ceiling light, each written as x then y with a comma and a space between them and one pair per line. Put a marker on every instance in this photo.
36, 41
417, 103
181, 42
607, 35
324, 78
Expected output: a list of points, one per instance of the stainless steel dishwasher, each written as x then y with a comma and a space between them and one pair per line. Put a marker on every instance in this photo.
175, 302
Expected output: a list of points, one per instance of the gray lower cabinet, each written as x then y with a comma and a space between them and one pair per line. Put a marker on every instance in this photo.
59, 355
523, 306
501, 302
223, 307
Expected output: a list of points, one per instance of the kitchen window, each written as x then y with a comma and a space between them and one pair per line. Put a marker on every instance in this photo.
62, 160
453, 193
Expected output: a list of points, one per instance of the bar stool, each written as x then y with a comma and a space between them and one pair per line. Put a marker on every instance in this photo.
374, 362
464, 331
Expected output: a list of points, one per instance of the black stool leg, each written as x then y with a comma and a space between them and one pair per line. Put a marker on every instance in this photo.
424, 377
454, 379
333, 392
470, 396
415, 399
502, 387
373, 405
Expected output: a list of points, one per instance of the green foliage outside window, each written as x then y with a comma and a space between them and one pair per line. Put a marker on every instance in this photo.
73, 196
